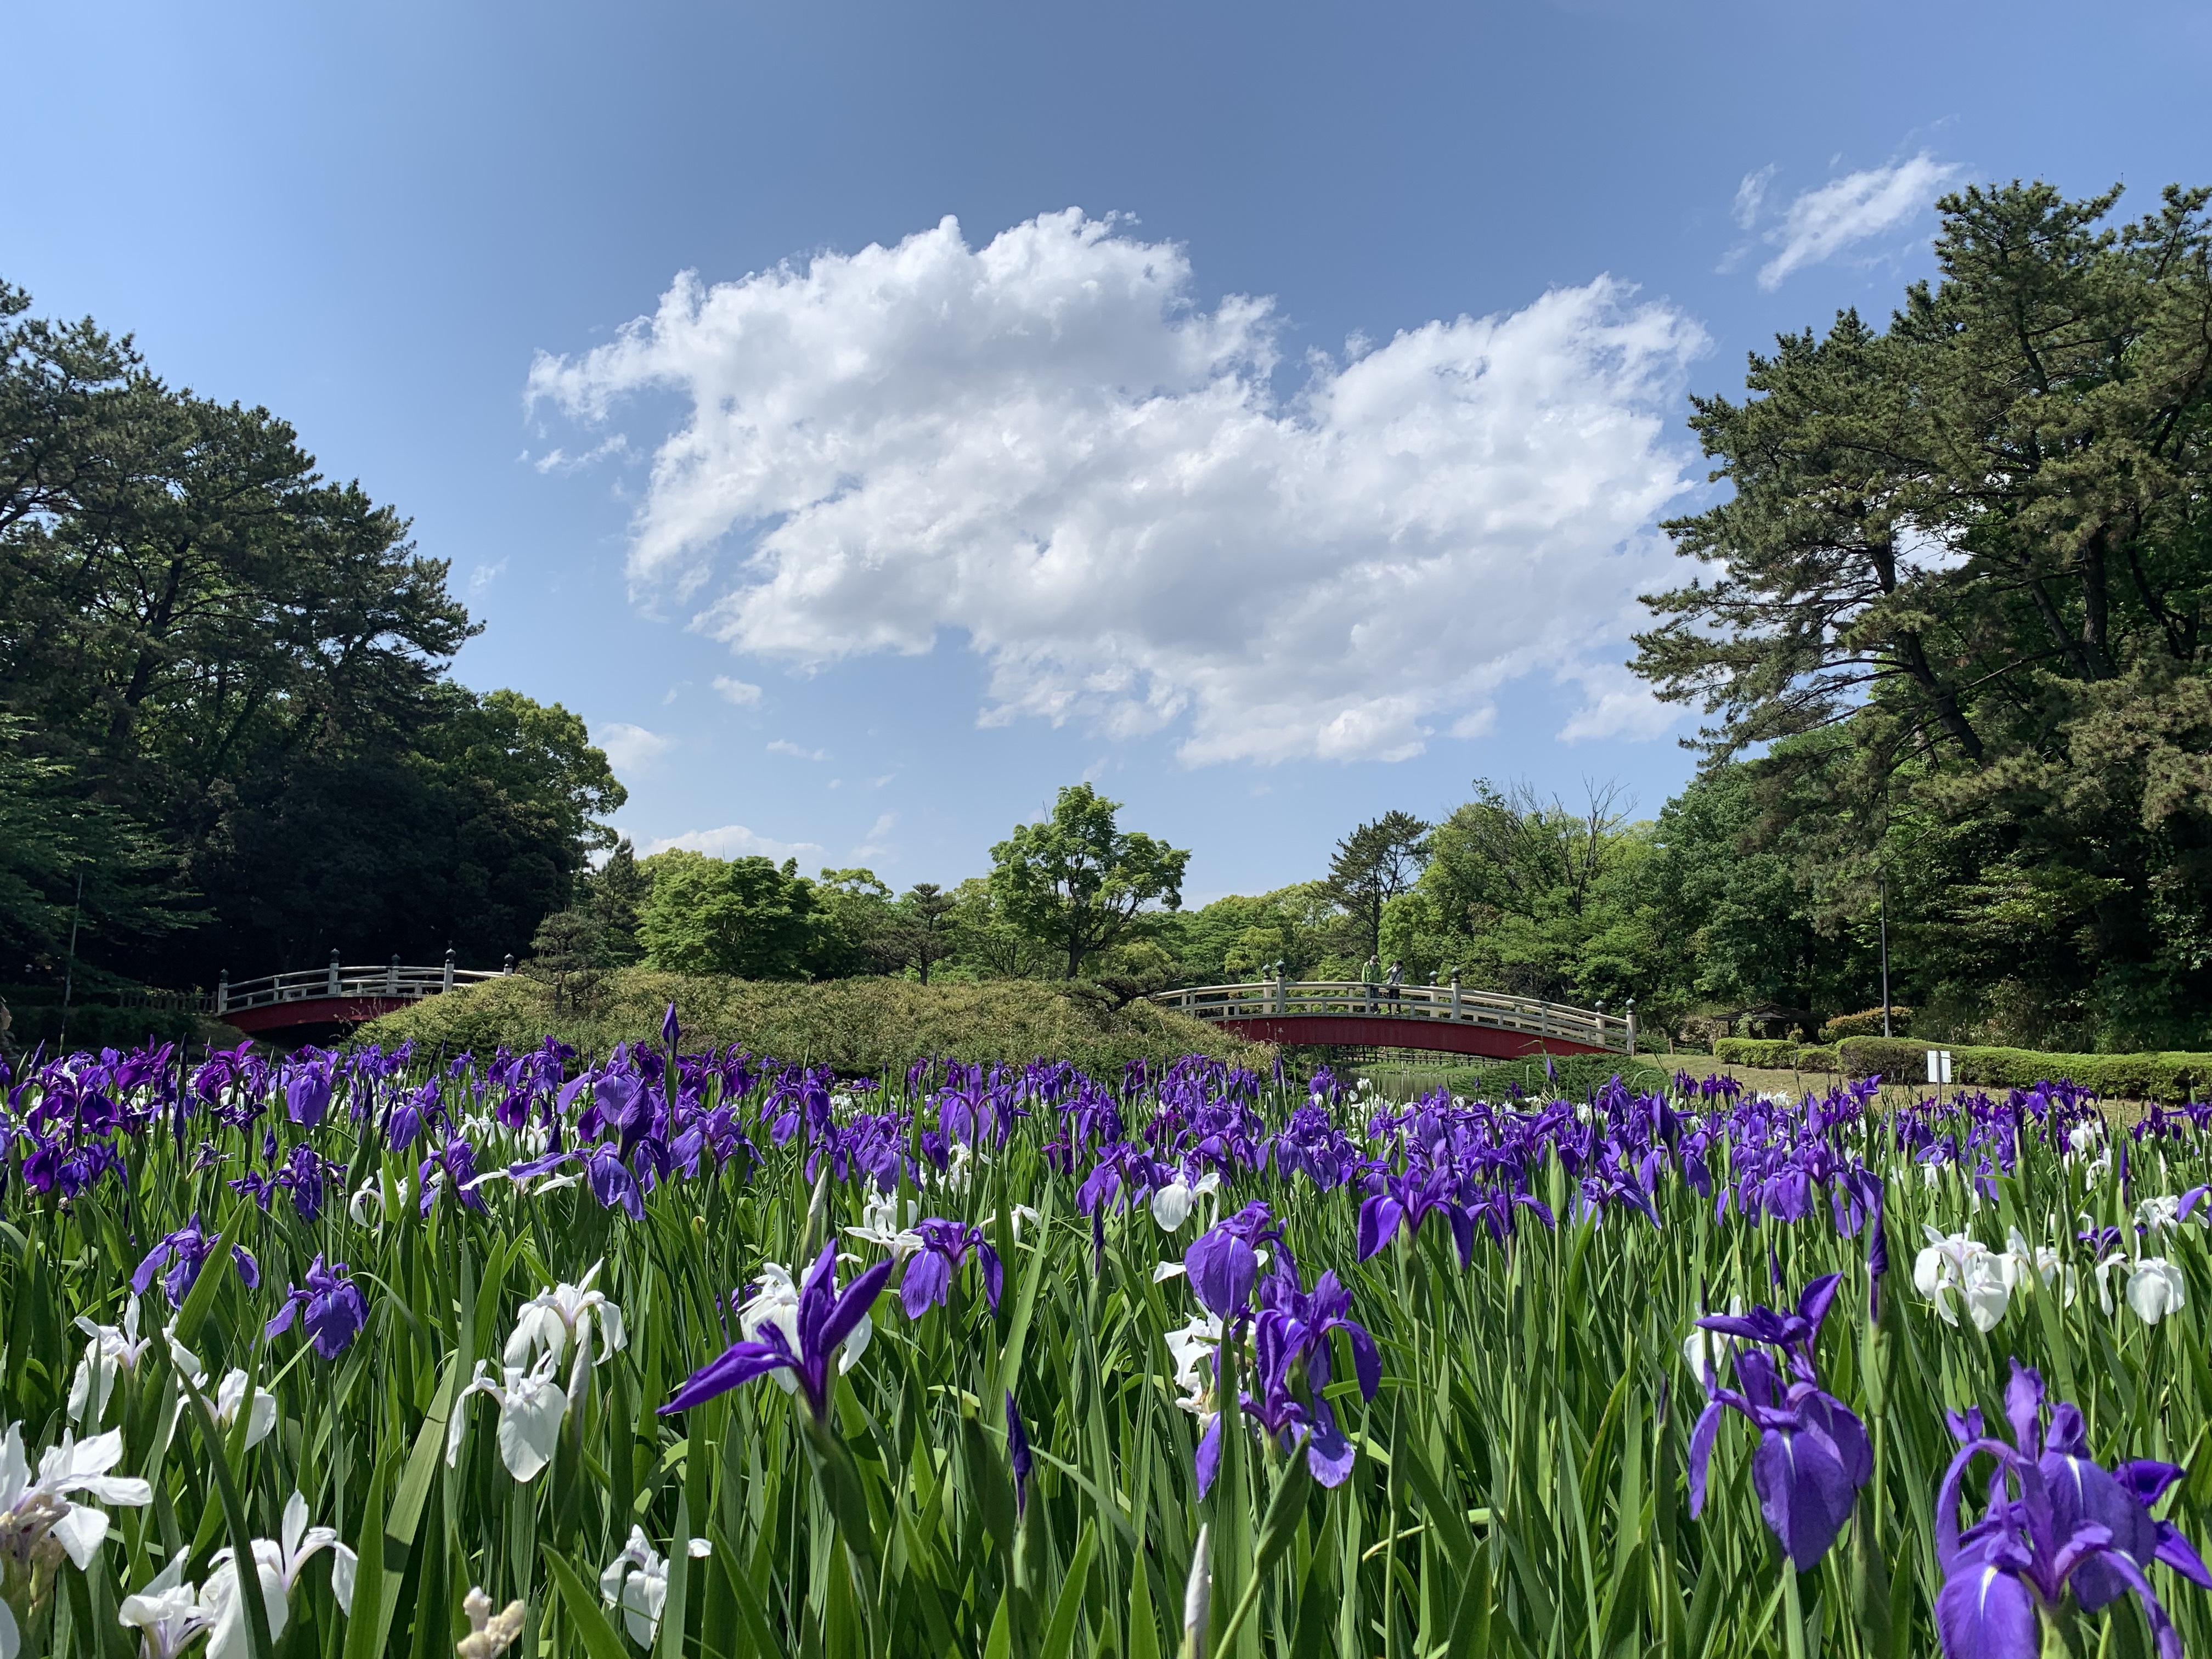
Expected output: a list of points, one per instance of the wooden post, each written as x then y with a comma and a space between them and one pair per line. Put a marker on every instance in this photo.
331, 985
223, 992
1631, 1028
448, 983
391, 976
1454, 996
509, 967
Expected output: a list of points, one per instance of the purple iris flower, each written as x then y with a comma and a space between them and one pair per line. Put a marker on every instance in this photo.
2057, 1520
183, 1251
1409, 1199
336, 1310
1018, 1456
827, 1316
944, 1246
1813, 1455
611, 1182
406, 1122
303, 1175
669, 1028
249, 1270
1290, 1369
1223, 1262
307, 1094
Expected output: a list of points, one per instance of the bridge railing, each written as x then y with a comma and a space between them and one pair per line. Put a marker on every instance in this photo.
1454, 1004
390, 981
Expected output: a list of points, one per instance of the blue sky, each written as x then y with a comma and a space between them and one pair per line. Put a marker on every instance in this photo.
1275, 439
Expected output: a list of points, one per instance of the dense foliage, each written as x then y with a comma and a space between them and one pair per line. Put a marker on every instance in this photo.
1956, 613
694, 1353
223, 706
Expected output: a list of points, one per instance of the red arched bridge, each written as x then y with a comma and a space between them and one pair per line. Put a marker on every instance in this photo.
1348, 1013
335, 997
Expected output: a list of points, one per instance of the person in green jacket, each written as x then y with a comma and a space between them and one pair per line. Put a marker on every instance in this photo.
1370, 976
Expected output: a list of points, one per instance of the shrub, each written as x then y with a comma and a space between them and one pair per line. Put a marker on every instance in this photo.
854, 1025
1770, 1054
2170, 1077
1777, 1055
1866, 1023
1577, 1076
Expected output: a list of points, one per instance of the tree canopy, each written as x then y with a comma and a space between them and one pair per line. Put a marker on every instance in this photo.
228, 675
1077, 883
1978, 544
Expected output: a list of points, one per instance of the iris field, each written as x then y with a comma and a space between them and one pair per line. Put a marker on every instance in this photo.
695, 1354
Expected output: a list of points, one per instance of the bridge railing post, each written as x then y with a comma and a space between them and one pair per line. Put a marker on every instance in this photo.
391, 976
1631, 1028
1454, 996
223, 992
330, 983
447, 983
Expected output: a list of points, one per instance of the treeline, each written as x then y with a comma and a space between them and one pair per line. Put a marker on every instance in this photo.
227, 734
1950, 628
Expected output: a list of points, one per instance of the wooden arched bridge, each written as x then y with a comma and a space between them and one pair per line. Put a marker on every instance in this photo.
333, 998
1348, 1013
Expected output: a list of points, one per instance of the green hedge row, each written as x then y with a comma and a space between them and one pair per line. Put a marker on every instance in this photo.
1575, 1077
2172, 1078
1776, 1053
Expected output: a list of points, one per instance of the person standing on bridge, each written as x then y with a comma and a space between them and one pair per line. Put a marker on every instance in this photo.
1394, 984
1370, 974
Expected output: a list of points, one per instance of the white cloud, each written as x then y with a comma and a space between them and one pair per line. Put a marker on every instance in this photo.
737, 691
482, 578
1749, 194
734, 840
1823, 222
785, 746
1044, 443
876, 842
558, 460
1616, 704
628, 745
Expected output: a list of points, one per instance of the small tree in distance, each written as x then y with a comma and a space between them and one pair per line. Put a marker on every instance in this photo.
1078, 883
921, 927
1375, 863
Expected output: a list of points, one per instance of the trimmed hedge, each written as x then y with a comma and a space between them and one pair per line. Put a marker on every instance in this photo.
2170, 1076
854, 1025
1868, 1023
1577, 1076
1777, 1055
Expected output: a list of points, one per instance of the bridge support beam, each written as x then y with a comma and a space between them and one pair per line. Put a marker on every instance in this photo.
1381, 1031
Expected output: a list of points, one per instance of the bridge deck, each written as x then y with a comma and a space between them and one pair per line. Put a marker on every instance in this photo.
1443, 1018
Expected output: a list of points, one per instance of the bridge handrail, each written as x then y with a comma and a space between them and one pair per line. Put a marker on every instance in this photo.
1448, 1004
381, 979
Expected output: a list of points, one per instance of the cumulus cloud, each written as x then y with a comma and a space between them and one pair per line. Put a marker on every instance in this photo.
1821, 223
1047, 445
482, 578
629, 746
737, 691
734, 840
786, 746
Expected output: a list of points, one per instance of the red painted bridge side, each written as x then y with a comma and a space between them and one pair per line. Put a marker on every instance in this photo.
1381, 1031
313, 1010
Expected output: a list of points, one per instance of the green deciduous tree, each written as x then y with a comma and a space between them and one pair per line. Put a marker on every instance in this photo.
1077, 884
748, 917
